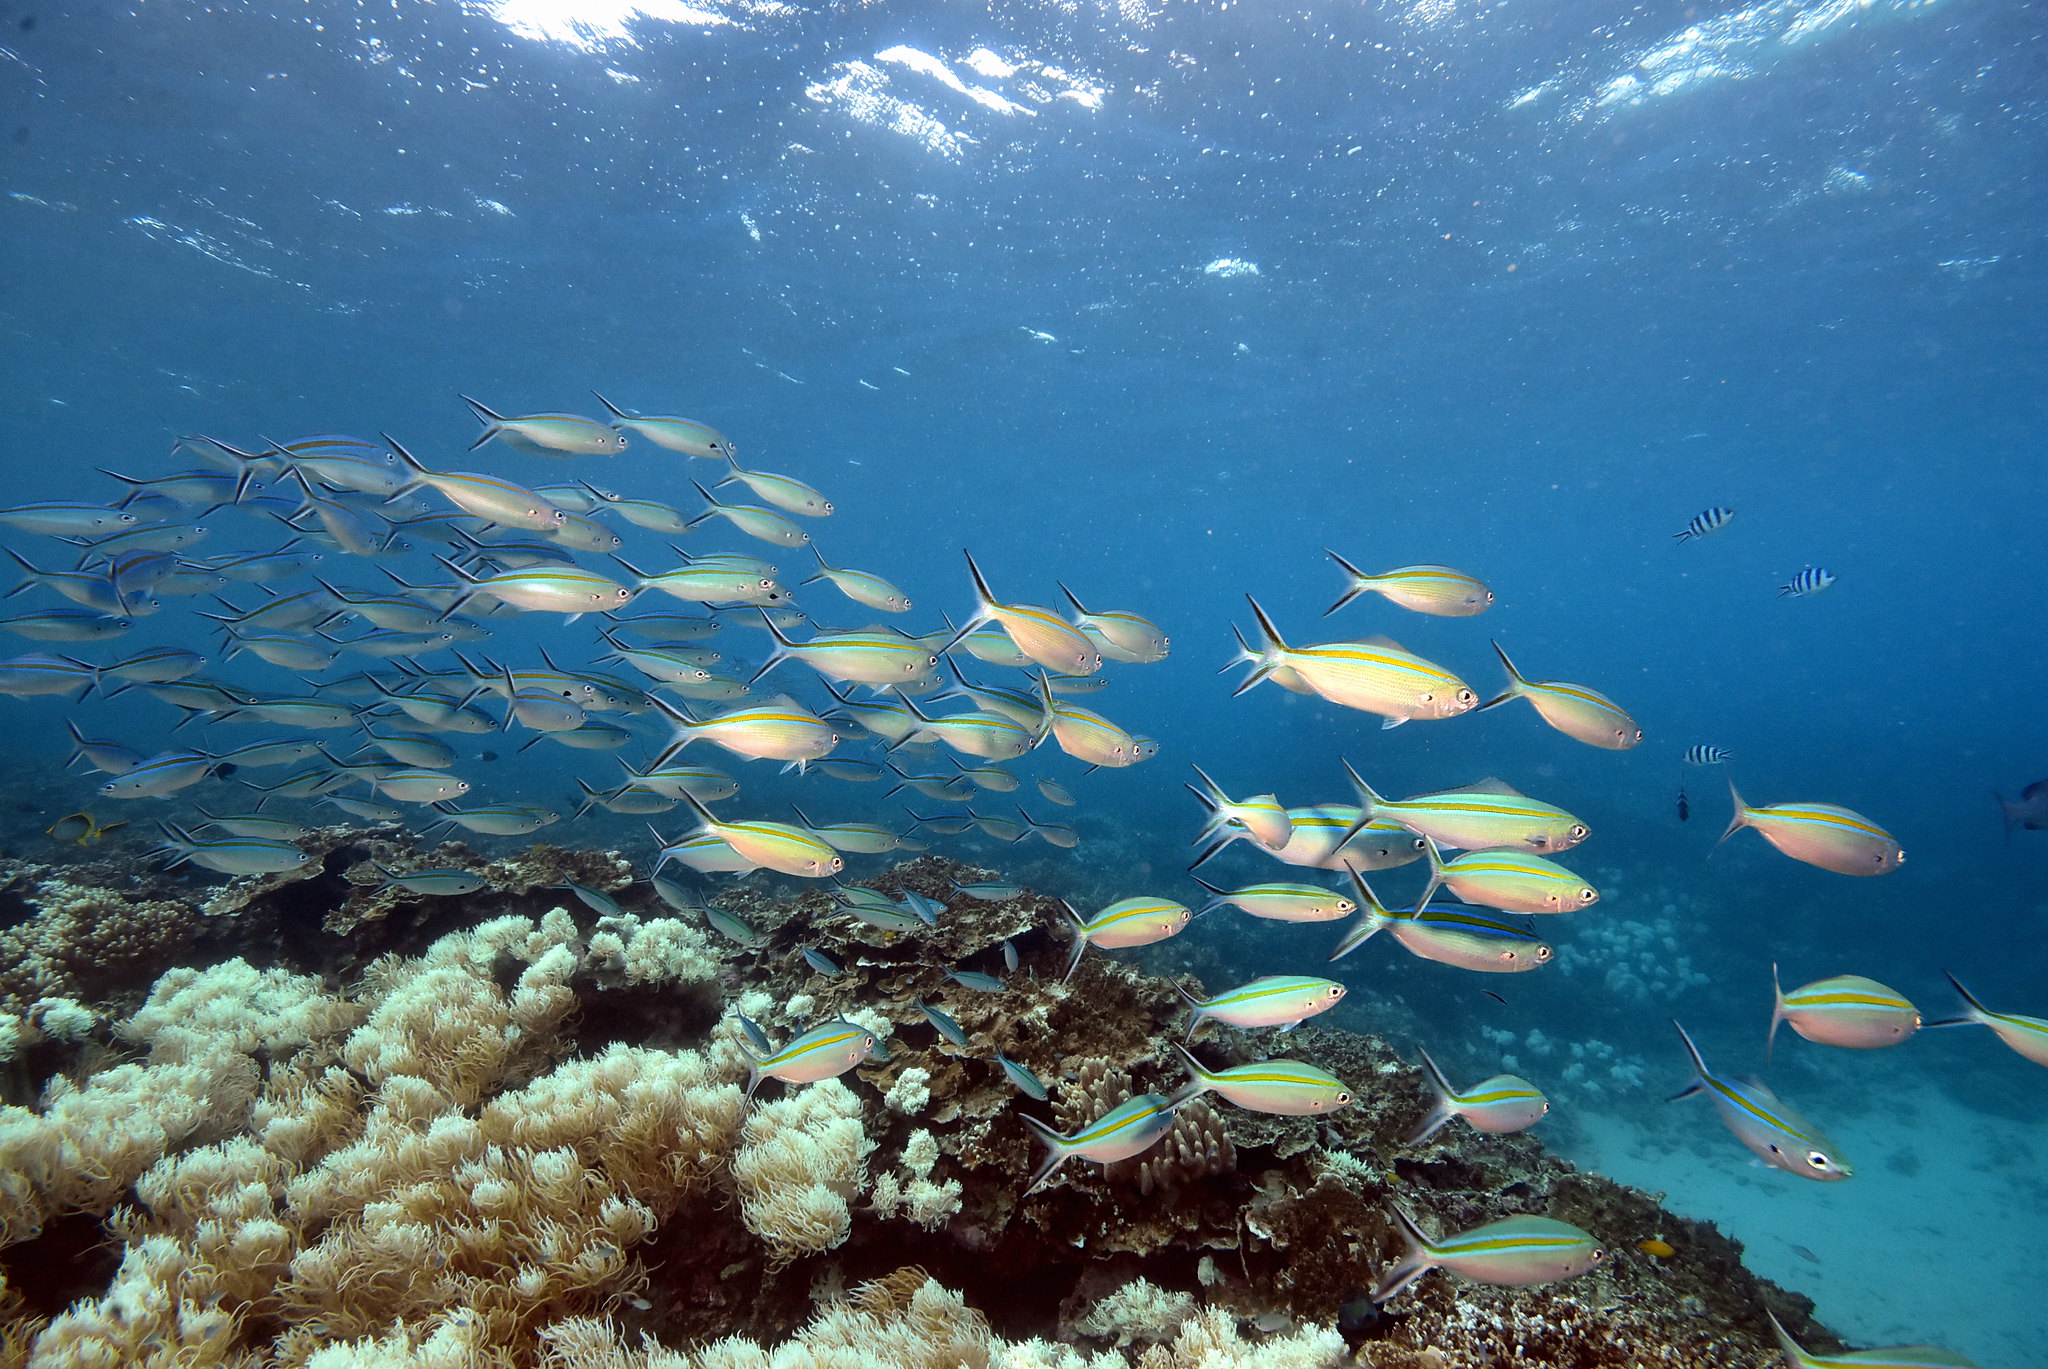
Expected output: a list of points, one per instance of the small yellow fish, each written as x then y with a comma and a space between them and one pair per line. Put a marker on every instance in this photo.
1657, 1248
80, 828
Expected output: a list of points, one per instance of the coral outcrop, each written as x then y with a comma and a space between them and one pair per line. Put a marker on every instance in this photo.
508, 1133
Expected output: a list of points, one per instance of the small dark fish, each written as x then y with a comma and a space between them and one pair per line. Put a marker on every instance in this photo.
1706, 755
488, 756
2029, 810
1803, 1253
1706, 521
1812, 580
225, 769
1684, 808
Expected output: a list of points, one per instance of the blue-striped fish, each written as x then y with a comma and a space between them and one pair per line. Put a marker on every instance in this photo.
1021, 1078
989, 890
1279, 901
109, 758
1846, 1010
1823, 834
1707, 755
709, 581
1704, 522
440, 881
1503, 1103
1374, 676
975, 980
1274, 1000
1812, 580
755, 1037
1580, 713
1511, 880
69, 519
501, 819
1130, 1128
233, 855
33, 674
1039, 633
1447, 934
1773, 1130
1437, 590
824, 1052
859, 586
161, 774
819, 961
1127, 922
1893, 1357
547, 434
685, 435
1287, 1088
1514, 1251
942, 1023
2026, 1035
255, 824
731, 926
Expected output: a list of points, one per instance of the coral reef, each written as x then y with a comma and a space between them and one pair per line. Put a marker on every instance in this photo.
505, 1133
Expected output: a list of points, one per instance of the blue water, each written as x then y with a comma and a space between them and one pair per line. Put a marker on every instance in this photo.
1165, 301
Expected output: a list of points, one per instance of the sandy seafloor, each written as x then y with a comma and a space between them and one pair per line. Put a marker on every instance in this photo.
1934, 1239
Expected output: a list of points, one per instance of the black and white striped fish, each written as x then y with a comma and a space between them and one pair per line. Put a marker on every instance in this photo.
1812, 580
1712, 520
1705, 755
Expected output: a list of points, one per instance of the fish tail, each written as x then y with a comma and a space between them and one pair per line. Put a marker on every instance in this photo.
1072, 600
984, 599
494, 424
1412, 1265
824, 571
1777, 1014
783, 648
1268, 634
1699, 1065
1793, 1353
1440, 1111
1209, 851
1516, 683
1977, 1014
1364, 929
1200, 1081
1436, 872
1358, 579
1367, 799
614, 410
1742, 813
1056, 1152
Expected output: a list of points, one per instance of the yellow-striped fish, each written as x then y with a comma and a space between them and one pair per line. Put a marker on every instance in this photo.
1262, 816
685, 435
1847, 1010
2027, 1035
547, 434
774, 845
754, 521
1285, 1088
783, 491
1516, 881
880, 658
1130, 1128
778, 729
1274, 1000
1501, 1104
1514, 1251
1038, 633
1580, 713
1895, 1357
1490, 813
1823, 834
1120, 636
1087, 735
1279, 901
1376, 675
1436, 590
821, 1053
1773, 1130
1127, 922
1448, 934
860, 586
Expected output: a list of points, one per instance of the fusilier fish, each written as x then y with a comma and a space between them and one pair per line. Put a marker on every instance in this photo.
1262, 816
685, 435
1376, 675
861, 587
1580, 713
1021, 1078
1120, 636
765, 524
821, 1053
1127, 922
547, 434
1846, 1010
436, 881
1895, 1357
1773, 1130
1480, 816
1515, 881
773, 845
943, 1024
1823, 834
1276, 1000
1449, 935
1437, 590
2027, 1035
1038, 633
1514, 1251
1503, 1103
784, 492
1287, 1088
1130, 1128
1280, 901
776, 729
232, 855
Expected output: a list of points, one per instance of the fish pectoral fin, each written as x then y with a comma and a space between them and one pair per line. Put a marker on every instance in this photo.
1391, 723
1687, 1092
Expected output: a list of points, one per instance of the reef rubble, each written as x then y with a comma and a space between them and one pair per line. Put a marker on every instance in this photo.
321, 1122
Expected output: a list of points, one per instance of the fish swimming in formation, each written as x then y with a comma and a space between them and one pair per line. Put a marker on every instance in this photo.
1846, 1010
1287, 1088
685, 435
1376, 675
823, 1052
1773, 1130
1127, 922
1511, 880
1130, 1128
1040, 634
547, 434
1484, 815
1823, 834
1580, 713
1279, 901
1276, 1000
1501, 1104
1437, 590
1449, 935
1704, 522
1514, 1251
1812, 580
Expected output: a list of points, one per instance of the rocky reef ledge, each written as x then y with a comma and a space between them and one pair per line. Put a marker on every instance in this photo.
320, 1122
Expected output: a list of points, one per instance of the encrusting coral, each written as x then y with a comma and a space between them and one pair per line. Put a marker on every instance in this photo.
523, 1143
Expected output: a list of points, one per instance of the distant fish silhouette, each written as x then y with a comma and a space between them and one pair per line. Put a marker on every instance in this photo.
2029, 810
1684, 808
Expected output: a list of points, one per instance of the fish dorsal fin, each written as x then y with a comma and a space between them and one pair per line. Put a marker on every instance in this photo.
1380, 639
1497, 787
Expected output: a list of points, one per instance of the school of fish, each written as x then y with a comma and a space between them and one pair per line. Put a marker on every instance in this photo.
348, 548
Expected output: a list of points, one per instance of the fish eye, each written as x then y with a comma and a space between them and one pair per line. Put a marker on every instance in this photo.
1336, 991
1588, 895
1818, 1160
1598, 1254
1466, 696
1542, 954
1578, 832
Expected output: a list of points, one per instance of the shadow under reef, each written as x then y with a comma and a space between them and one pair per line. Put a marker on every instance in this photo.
760, 1213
